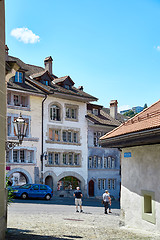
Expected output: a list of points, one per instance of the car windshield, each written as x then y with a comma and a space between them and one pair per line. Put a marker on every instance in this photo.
26, 186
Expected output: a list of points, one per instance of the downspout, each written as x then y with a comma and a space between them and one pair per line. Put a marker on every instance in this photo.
41, 180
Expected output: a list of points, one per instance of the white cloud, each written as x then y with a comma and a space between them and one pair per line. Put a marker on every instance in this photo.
124, 107
25, 35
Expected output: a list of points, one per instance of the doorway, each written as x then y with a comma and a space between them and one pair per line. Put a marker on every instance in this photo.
91, 188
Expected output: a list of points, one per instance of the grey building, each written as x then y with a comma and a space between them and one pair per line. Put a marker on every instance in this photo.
103, 163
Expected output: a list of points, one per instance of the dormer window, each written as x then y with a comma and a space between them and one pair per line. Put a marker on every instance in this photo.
46, 82
67, 87
18, 77
95, 111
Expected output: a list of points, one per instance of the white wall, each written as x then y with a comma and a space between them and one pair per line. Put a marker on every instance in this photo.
141, 171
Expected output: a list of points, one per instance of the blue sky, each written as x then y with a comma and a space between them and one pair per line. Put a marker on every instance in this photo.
111, 47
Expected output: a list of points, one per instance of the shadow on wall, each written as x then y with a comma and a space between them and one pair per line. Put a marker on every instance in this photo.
19, 234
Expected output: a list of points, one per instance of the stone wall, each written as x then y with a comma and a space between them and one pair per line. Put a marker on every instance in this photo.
2, 123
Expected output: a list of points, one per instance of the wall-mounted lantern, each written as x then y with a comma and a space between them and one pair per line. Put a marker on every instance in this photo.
20, 127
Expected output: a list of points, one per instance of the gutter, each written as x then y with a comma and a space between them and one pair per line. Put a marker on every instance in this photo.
42, 146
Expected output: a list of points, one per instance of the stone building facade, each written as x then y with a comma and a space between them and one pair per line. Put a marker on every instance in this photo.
2, 123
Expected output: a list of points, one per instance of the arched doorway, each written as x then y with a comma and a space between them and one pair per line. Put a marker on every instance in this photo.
68, 183
49, 181
19, 176
91, 188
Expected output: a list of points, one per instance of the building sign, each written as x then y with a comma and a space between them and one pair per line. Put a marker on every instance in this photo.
8, 168
127, 154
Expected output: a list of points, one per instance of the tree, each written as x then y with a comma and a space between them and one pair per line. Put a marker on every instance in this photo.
130, 114
145, 106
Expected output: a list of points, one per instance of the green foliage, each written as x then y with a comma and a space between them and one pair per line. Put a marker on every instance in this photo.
130, 114
10, 192
145, 106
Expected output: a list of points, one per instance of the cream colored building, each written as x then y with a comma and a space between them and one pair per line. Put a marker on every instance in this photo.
55, 149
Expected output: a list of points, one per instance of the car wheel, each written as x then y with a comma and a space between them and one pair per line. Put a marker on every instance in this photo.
24, 195
48, 197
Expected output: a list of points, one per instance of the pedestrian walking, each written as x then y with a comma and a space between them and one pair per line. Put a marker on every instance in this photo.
107, 202
78, 199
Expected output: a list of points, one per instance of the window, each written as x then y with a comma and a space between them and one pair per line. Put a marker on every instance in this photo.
112, 184
113, 163
54, 135
70, 159
18, 77
101, 183
15, 156
76, 157
42, 187
64, 136
75, 137
46, 82
99, 162
56, 158
64, 158
55, 113
105, 162
97, 135
9, 126
17, 100
20, 156
50, 158
70, 136
148, 206
71, 113
94, 161
53, 158
109, 162
95, 111
90, 162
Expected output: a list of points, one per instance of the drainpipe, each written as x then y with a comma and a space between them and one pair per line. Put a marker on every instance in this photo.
41, 180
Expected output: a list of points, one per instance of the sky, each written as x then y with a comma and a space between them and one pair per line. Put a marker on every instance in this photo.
110, 47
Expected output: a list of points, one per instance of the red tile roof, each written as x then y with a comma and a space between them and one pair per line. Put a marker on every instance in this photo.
149, 118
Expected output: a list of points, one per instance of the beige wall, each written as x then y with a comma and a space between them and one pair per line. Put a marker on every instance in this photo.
34, 142
140, 172
2, 121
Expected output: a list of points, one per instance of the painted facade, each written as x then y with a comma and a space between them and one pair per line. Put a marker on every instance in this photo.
103, 163
23, 161
2, 123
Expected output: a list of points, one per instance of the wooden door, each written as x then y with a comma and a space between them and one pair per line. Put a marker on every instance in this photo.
91, 188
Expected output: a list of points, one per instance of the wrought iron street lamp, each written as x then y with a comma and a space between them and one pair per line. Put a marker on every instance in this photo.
20, 127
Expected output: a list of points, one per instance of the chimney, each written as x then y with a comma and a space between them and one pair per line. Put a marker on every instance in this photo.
6, 52
113, 108
48, 64
80, 88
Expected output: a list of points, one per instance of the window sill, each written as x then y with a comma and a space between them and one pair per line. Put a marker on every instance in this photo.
25, 139
68, 166
71, 119
65, 143
26, 164
18, 107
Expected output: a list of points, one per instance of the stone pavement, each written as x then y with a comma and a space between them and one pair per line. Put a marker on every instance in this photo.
39, 221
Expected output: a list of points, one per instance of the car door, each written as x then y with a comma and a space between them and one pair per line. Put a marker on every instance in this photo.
43, 191
34, 191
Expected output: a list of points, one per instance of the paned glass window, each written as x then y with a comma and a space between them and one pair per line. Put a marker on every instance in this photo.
90, 162
105, 162
15, 156
55, 113
76, 157
22, 156
99, 162
50, 158
94, 161
64, 158
18, 77
70, 158
71, 113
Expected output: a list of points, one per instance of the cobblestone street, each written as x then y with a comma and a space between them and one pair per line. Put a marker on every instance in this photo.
36, 221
